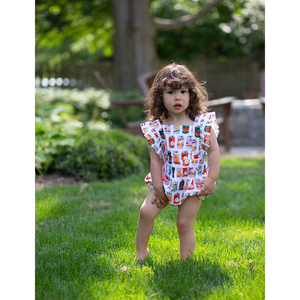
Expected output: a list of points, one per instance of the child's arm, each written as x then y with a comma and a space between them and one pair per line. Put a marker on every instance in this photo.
214, 166
156, 175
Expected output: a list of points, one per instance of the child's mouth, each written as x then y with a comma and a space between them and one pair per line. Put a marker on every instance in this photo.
177, 106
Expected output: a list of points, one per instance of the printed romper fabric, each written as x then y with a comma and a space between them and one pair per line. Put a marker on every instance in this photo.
183, 151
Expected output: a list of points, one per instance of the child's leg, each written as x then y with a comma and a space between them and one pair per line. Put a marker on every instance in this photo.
148, 213
187, 213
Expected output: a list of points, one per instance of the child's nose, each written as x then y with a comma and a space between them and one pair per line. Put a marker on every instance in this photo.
177, 96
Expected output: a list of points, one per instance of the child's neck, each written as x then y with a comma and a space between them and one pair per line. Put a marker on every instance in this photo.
178, 120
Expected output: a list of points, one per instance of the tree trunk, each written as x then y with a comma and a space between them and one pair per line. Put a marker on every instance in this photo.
134, 43
135, 39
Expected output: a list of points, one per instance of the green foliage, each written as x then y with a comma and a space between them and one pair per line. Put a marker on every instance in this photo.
73, 30
73, 136
59, 105
232, 29
85, 241
50, 139
107, 155
83, 30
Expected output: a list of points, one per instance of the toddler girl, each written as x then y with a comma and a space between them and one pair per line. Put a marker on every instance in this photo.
181, 134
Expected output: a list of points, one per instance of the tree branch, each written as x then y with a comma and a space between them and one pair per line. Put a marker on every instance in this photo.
168, 24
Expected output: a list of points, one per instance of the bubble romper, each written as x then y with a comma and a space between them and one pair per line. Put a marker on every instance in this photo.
183, 150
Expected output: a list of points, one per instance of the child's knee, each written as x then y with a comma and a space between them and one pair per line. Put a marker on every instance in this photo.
145, 212
184, 225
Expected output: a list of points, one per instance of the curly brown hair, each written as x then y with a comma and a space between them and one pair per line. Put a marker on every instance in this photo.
175, 76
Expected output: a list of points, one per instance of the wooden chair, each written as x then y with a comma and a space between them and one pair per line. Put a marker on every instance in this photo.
130, 127
262, 101
263, 95
223, 121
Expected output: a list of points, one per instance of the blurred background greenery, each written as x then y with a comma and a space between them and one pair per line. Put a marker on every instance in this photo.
123, 39
76, 126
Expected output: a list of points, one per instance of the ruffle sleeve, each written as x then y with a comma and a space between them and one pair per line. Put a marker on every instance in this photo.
154, 133
208, 123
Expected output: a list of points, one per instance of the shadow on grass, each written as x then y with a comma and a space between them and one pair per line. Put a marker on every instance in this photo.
188, 279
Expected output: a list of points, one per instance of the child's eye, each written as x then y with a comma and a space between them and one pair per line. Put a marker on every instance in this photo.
170, 92
183, 91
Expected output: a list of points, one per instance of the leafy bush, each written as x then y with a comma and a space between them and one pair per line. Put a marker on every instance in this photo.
110, 155
73, 138
85, 105
60, 117
50, 137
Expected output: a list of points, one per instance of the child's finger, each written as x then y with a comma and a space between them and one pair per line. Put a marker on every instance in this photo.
153, 200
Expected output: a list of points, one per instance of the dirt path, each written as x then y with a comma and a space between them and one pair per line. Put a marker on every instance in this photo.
42, 181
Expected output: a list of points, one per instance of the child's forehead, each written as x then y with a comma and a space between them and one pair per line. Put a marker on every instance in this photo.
172, 87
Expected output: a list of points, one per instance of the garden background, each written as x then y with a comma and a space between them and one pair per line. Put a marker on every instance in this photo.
76, 131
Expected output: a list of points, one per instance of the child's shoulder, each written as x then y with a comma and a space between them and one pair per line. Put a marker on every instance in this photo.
208, 115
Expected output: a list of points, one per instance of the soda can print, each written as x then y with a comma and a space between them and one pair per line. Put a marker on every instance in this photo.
199, 170
207, 128
185, 159
205, 171
180, 142
185, 129
144, 129
187, 184
167, 181
176, 157
198, 185
195, 159
178, 172
176, 129
181, 185
191, 172
161, 132
185, 172
206, 140
167, 129
173, 171
169, 197
174, 187
172, 141
156, 124
151, 141
176, 198
197, 131
170, 157
189, 142
194, 145
155, 147
191, 187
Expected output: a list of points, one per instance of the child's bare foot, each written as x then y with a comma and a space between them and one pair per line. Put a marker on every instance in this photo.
141, 257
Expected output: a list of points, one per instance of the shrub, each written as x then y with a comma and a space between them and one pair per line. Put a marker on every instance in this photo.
111, 155
85, 105
73, 138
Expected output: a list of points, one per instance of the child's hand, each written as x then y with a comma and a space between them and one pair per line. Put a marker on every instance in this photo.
160, 199
208, 186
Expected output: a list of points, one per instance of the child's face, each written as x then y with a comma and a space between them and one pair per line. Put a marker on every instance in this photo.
176, 101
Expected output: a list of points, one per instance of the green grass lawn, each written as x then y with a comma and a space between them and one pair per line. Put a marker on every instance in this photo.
85, 241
